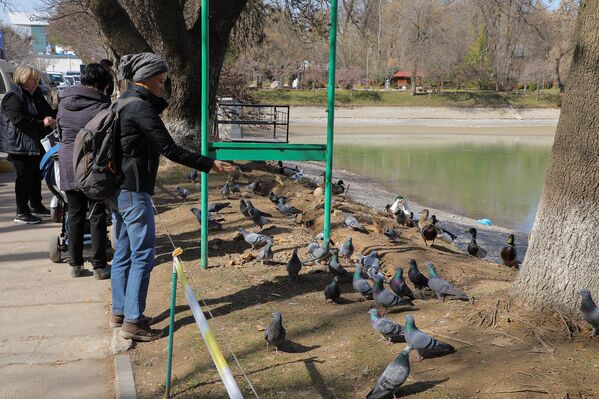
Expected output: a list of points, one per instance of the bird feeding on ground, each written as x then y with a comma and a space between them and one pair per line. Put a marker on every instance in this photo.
332, 292
266, 254
361, 284
352, 223
386, 298
254, 239
443, 288
419, 280
425, 345
590, 311
183, 193
218, 206
275, 333
393, 377
390, 330
347, 249
398, 285
294, 265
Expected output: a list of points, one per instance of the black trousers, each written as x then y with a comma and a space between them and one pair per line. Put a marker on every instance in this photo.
78, 205
28, 185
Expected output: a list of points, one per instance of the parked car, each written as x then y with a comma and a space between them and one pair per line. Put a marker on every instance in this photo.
6, 72
50, 92
56, 78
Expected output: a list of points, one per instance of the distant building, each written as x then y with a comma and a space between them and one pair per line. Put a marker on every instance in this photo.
404, 78
45, 56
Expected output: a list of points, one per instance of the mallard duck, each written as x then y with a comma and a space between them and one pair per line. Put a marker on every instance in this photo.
473, 248
445, 235
410, 222
428, 231
339, 187
508, 253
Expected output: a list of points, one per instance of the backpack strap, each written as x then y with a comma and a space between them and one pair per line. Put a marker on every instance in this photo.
121, 103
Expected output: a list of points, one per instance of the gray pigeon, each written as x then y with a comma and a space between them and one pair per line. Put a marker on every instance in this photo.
183, 193
441, 287
275, 333
425, 346
258, 219
335, 267
254, 239
225, 191
390, 330
251, 206
393, 377
218, 206
234, 186
360, 284
332, 291
371, 260
347, 249
391, 234
352, 223
193, 176
386, 298
294, 265
213, 224
243, 208
317, 255
398, 285
287, 210
313, 246
266, 254
590, 311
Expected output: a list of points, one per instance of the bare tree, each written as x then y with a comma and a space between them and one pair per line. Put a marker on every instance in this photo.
564, 246
17, 46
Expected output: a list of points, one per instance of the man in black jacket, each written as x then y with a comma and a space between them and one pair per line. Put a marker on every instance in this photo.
25, 119
143, 138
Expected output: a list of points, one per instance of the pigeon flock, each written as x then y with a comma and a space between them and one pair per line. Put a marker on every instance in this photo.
367, 278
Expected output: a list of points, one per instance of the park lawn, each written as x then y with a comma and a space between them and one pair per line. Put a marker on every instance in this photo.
482, 99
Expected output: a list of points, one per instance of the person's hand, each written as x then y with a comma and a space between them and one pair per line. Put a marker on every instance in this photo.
49, 121
222, 167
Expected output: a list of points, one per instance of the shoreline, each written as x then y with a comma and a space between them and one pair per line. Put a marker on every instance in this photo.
362, 190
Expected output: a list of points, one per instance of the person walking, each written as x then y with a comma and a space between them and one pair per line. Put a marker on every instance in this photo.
25, 119
78, 105
143, 138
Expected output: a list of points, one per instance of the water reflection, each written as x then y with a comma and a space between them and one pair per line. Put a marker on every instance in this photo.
494, 178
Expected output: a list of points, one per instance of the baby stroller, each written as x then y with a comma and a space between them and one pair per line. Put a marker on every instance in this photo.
58, 245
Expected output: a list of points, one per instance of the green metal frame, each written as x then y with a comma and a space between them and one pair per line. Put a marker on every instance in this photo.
258, 152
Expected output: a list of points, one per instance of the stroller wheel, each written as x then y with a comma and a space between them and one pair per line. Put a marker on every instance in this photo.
54, 243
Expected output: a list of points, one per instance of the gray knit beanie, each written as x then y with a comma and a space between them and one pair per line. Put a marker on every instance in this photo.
138, 67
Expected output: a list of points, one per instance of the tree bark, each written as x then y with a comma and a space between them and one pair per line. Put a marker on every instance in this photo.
564, 248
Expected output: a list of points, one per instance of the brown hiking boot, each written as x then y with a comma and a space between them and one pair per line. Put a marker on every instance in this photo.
116, 320
139, 332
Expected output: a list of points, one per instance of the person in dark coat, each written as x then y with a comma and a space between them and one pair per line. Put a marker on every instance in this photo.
25, 119
106, 63
78, 105
143, 139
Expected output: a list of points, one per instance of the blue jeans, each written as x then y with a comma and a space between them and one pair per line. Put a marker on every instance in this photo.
135, 238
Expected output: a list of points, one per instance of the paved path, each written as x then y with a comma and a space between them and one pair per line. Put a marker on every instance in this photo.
54, 334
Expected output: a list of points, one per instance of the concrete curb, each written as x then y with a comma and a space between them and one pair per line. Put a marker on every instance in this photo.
124, 381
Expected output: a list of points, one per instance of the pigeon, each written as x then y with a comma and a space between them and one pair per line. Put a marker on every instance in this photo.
335, 267
360, 284
253, 187
192, 177
183, 193
254, 239
442, 288
276, 198
218, 206
266, 254
398, 285
427, 230
332, 291
473, 248
371, 260
234, 186
444, 234
257, 218
426, 346
347, 249
393, 377
251, 206
275, 333
508, 253
317, 255
213, 224
287, 210
294, 265
590, 311
298, 175
320, 237
390, 330
391, 234
416, 277
225, 191
313, 246
243, 208
386, 298
352, 223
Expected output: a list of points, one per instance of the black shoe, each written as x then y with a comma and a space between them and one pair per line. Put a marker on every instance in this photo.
40, 211
27, 218
102, 273
77, 271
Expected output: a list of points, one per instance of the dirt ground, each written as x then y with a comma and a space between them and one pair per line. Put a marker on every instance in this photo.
332, 351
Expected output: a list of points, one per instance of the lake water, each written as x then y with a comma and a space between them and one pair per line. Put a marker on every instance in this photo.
488, 176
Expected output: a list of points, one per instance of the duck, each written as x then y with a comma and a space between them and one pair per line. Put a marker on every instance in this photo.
509, 254
473, 248
445, 235
410, 221
428, 231
339, 187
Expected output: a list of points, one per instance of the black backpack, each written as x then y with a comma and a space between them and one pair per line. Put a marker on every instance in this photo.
97, 173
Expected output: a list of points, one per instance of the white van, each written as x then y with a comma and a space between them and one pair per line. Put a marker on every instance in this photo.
6, 72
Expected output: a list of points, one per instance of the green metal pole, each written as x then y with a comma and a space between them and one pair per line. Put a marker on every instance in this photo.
171, 332
204, 132
330, 123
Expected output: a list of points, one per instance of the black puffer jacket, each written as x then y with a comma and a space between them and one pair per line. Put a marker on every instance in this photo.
144, 137
22, 121
78, 105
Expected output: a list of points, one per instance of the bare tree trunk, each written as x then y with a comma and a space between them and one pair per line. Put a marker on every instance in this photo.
564, 247
414, 74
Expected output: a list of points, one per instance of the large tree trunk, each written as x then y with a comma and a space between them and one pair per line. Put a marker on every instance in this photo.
159, 26
564, 248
